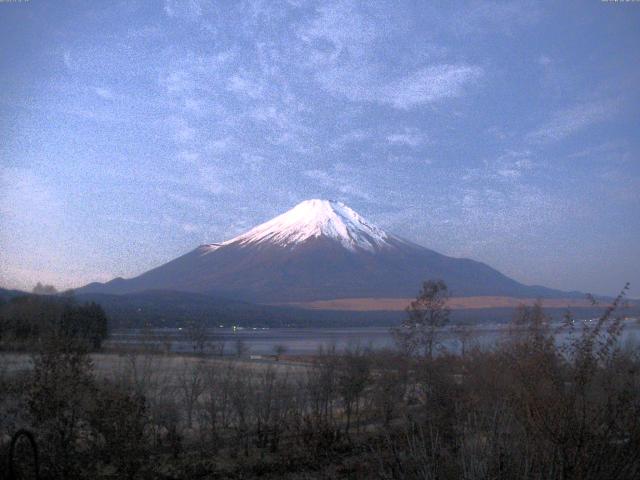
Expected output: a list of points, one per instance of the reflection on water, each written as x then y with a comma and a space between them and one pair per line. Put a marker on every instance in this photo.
305, 341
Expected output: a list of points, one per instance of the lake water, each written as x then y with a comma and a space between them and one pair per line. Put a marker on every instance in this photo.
306, 341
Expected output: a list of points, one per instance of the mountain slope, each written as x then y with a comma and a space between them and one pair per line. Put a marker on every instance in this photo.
316, 251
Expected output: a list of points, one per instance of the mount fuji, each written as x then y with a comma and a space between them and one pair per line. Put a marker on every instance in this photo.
320, 250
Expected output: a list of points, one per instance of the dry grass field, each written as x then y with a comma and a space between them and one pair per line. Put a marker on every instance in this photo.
455, 303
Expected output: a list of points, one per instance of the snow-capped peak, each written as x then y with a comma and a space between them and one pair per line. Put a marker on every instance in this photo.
317, 218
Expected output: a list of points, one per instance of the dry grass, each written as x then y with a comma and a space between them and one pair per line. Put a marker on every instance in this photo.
111, 365
454, 303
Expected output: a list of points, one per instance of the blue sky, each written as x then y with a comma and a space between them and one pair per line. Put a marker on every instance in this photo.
507, 132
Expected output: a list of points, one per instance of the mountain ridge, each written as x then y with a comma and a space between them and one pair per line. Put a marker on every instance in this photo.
320, 250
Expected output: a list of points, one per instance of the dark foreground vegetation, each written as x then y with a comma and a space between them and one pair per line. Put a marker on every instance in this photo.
526, 408
28, 320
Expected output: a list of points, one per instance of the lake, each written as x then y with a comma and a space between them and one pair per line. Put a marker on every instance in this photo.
307, 341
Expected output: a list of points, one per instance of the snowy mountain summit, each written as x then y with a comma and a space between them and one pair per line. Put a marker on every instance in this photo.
318, 250
312, 219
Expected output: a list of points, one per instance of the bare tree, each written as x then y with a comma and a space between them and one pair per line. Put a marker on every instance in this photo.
389, 384
279, 350
191, 387
464, 334
197, 334
119, 419
217, 345
426, 316
240, 399
241, 347
353, 377
62, 386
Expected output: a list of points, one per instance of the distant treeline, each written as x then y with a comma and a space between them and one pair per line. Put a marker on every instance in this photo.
172, 309
27, 319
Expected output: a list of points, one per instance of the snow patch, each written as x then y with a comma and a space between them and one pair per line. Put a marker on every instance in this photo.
210, 247
312, 219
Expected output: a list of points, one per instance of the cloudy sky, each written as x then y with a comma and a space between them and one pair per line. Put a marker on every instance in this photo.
133, 131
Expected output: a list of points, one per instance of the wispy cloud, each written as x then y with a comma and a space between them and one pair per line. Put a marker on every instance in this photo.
569, 121
340, 46
190, 227
338, 184
23, 191
354, 136
145, 32
187, 9
180, 129
426, 85
177, 81
490, 16
410, 137
192, 73
609, 151
319, 175
429, 84
338, 29
244, 86
514, 163
220, 145
66, 58
188, 156
104, 93
506, 170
